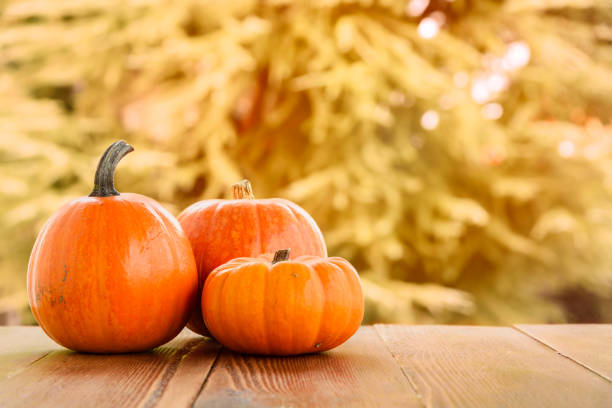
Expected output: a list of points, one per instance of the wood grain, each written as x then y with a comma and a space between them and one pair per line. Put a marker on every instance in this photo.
183, 387
453, 366
68, 379
361, 372
588, 344
21, 346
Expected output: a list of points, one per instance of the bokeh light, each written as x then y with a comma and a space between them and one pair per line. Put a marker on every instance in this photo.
566, 148
415, 8
480, 91
430, 120
517, 56
492, 111
497, 82
428, 28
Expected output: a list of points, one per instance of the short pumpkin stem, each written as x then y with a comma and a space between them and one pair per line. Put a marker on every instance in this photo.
242, 191
103, 182
281, 255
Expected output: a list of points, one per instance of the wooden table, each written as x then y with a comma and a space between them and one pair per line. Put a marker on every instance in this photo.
383, 365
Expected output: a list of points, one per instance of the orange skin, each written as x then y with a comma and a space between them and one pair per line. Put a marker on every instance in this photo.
306, 305
112, 274
221, 230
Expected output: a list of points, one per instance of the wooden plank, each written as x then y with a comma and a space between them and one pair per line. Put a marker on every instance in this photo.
66, 379
191, 372
590, 345
453, 366
361, 372
20, 346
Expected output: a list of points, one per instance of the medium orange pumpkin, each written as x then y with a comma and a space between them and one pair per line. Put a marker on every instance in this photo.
221, 230
112, 272
308, 304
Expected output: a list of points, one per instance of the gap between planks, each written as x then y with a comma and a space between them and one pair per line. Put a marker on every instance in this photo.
19, 349
454, 366
568, 355
212, 367
25, 367
181, 382
410, 380
156, 397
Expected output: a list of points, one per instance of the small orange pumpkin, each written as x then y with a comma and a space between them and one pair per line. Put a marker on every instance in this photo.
221, 230
308, 304
112, 272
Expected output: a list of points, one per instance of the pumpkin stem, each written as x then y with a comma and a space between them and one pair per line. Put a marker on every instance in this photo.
103, 181
281, 255
242, 190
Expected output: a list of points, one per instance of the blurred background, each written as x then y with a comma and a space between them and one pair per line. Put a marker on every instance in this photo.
458, 153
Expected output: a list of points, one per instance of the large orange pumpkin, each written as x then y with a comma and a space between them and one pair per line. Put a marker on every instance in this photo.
309, 304
221, 230
112, 272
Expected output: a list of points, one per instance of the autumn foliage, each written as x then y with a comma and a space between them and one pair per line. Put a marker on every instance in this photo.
458, 154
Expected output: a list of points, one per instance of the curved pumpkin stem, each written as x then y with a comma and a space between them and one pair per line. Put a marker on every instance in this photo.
281, 255
103, 182
242, 190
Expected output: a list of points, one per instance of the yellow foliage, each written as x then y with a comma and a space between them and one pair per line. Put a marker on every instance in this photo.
467, 175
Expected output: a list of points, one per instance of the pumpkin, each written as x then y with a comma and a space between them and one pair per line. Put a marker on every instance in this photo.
112, 272
221, 230
308, 304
